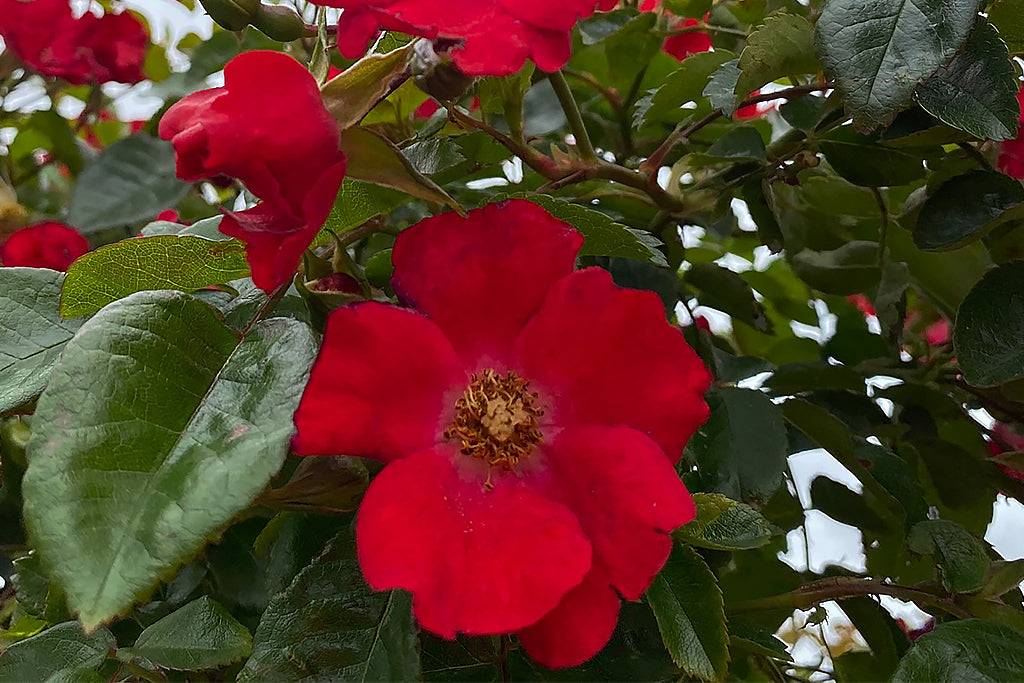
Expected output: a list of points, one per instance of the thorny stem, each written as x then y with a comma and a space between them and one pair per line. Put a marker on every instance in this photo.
268, 306
839, 587
709, 28
572, 112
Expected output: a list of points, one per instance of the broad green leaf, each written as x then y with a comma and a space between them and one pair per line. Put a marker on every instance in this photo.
724, 524
1008, 17
969, 650
728, 292
961, 556
721, 87
964, 208
988, 336
687, 603
782, 46
131, 181
350, 95
64, 646
329, 625
843, 505
759, 203
734, 464
180, 262
977, 91
357, 203
602, 236
685, 84
879, 51
755, 638
375, 159
1003, 576
32, 333
862, 161
159, 427
850, 269
200, 635
743, 142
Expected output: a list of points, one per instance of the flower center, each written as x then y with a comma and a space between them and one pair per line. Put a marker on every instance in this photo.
496, 420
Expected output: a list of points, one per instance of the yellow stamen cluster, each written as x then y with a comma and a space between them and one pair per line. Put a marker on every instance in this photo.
496, 420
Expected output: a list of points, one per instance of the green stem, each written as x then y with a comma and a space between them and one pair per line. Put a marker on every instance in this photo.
268, 306
572, 112
883, 231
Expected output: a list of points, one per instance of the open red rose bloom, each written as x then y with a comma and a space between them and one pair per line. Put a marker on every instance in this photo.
530, 417
48, 38
44, 245
494, 37
286, 156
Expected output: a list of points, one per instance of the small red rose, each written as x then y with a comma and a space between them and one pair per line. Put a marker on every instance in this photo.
681, 45
266, 126
1011, 158
47, 37
44, 245
493, 37
530, 417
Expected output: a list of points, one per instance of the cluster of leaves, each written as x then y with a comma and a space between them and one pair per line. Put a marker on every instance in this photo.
158, 525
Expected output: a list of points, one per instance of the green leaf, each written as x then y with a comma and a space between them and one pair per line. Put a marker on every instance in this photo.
685, 84
32, 333
969, 650
181, 262
965, 208
721, 87
961, 556
62, 647
878, 51
602, 236
736, 465
843, 505
200, 635
988, 336
882, 634
687, 603
329, 625
159, 427
1003, 576
743, 142
1008, 17
977, 91
782, 46
759, 202
862, 161
728, 292
850, 269
724, 524
350, 95
357, 202
750, 636
132, 180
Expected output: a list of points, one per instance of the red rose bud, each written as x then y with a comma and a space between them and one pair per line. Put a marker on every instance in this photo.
44, 245
336, 282
491, 37
266, 126
47, 37
280, 22
434, 73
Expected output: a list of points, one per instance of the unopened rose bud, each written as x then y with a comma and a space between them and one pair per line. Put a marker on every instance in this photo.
281, 23
234, 15
434, 72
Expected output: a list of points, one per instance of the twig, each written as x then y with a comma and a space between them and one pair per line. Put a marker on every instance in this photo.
572, 113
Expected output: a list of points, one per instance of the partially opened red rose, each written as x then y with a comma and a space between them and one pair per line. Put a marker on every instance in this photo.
530, 417
494, 37
266, 126
681, 45
46, 36
44, 245
1011, 158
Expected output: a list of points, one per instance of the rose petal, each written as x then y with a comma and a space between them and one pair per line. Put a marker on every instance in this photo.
476, 561
383, 386
481, 277
603, 354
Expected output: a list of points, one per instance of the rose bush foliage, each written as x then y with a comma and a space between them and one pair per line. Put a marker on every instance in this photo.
487, 340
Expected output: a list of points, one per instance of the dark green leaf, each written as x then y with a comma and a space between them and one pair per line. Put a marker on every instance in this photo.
724, 524
977, 91
961, 556
846, 506
728, 292
159, 427
721, 87
685, 84
758, 200
180, 262
878, 51
132, 180
850, 269
433, 155
1003, 576
329, 625
883, 635
357, 202
734, 464
64, 646
988, 336
1008, 17
688, 606
970, 650
964, 208
596, 28
200, 635
743, 142
863, 162
32, 333
350, 95
782, 46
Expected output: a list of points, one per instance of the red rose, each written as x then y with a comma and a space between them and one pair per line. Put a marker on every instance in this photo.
681, 45
46, 36
530, 417
1011, 158
44, 245
268, 127
494, 37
